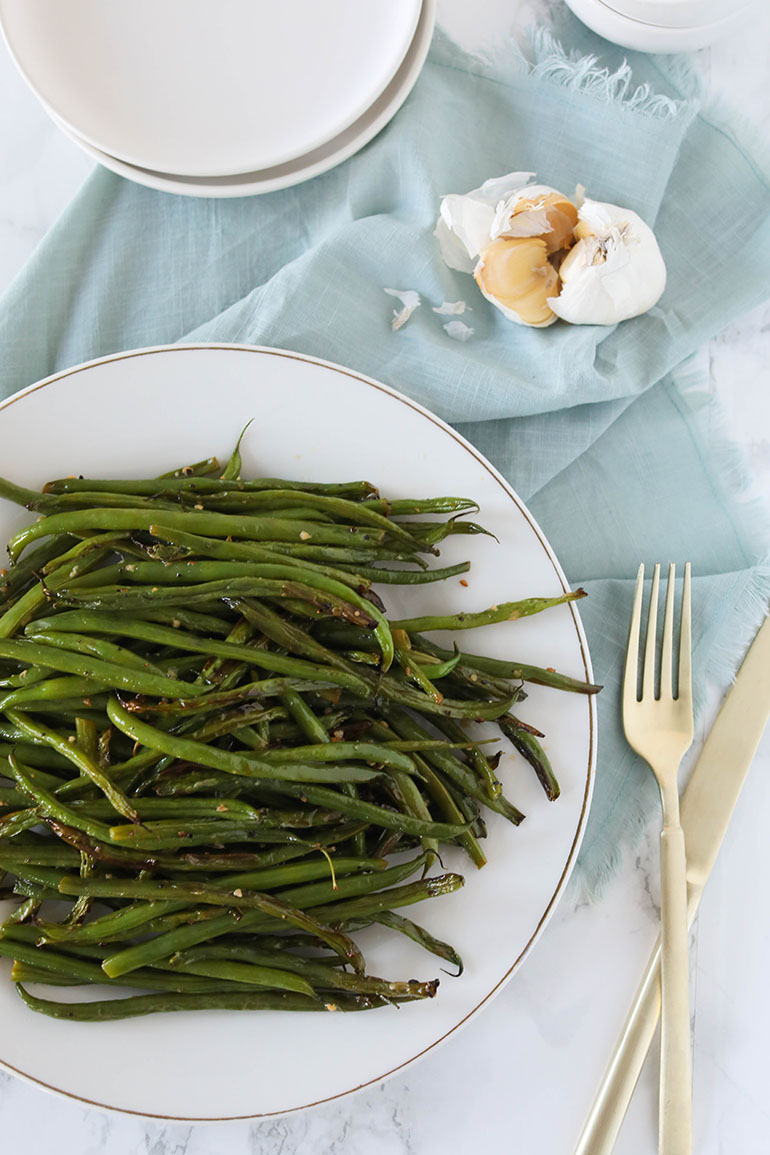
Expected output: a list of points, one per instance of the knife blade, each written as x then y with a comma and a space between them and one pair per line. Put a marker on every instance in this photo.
707, 806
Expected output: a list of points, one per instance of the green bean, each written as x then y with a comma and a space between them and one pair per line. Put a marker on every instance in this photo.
150, 487
232, 471
268, 500
530, 749
409, 577
43, 852
9, 797
434, 667
148, 807
19, 495
288, 635
163, 635
369, 811
26, 677
78, 757
52, 807
337, 555
14, 824
477, 758
430, 533
516, 671
87, 738
25, 608
229, 551
412, 930
333, 751
104, 542
266, 977
98, 648
407, 507
403, 694
208, 524
153, 980
506, 612
108, 673
52, 690
322, 975
99, 1011
415, 673
15, 578
195, 620
366, 905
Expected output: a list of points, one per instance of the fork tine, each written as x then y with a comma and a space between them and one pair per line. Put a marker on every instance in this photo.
632, 652
685, 642
648, 674
666, 690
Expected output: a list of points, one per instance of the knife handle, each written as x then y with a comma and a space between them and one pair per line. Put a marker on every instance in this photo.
601, 1128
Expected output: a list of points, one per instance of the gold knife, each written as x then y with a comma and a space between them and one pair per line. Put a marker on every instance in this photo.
707, 806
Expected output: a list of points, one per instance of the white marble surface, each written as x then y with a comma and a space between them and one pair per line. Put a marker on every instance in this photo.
522, 1075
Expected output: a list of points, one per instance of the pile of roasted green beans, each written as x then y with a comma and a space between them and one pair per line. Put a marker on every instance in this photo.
212, 739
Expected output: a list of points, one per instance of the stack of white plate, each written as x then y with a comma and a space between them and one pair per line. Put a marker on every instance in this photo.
219, 98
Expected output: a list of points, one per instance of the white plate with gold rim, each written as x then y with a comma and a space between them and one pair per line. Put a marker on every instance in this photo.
160, 408
197, 89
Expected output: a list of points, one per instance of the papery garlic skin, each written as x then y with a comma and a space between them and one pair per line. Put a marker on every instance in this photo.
515, 275
614, 271
464, 227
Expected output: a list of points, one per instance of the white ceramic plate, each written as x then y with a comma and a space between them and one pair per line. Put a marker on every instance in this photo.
146, 411
314, 163
193, 88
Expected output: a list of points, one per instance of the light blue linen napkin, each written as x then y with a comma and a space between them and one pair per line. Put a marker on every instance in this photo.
608, 433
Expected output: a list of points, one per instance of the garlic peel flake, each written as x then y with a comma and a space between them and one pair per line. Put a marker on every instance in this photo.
410, 301
458, 330
450, 308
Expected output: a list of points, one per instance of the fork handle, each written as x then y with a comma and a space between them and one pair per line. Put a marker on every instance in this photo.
675, 1120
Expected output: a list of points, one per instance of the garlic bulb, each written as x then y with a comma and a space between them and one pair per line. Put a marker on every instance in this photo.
537, 255
514, 273
615, 270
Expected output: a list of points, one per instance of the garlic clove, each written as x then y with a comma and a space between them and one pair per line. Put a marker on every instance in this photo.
537, 211
613, 272
515, 275
561, 216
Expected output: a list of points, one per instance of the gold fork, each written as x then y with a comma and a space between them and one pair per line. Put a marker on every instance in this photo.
661, 731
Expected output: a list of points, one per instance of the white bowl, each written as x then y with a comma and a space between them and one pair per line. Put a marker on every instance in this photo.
661, 25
